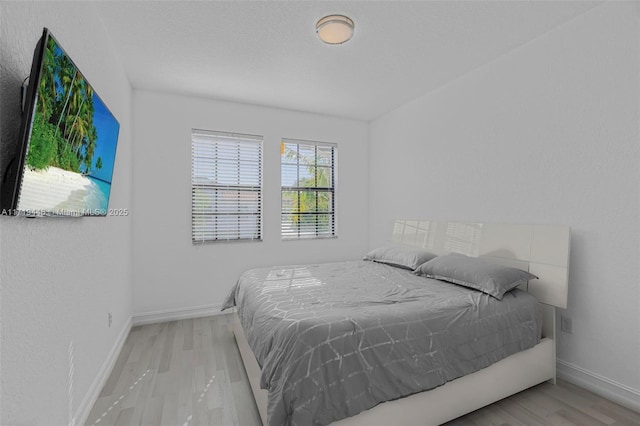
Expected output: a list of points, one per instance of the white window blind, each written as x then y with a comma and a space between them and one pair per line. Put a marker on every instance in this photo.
308, 189
226, 187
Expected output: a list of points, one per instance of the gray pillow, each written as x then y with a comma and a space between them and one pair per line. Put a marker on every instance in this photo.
472, 272
403, 257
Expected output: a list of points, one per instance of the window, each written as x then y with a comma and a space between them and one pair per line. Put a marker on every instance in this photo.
226, 187
308, 189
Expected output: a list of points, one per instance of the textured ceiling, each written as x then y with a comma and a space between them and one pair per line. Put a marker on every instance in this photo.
267, 53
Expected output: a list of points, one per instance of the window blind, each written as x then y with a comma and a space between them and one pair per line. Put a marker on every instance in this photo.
226, 187
308, 189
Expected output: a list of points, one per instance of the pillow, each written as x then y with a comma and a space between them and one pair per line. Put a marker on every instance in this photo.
402, 257
476, 273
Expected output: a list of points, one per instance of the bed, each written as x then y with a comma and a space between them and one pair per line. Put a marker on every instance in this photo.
308, 363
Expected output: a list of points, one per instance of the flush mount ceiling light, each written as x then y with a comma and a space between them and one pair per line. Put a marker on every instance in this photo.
335, 29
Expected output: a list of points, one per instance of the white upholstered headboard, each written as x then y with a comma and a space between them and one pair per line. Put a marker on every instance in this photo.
543, 250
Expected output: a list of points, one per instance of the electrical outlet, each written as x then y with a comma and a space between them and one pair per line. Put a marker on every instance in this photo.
110, 319
565, 324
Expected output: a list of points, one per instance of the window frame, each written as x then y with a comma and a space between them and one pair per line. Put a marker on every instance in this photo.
246, 138
332, 213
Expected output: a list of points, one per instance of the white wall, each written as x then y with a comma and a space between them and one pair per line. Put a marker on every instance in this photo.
60, 277
169, 272
545, 134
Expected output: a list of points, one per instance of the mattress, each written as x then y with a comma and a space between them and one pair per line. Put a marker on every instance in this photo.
335, 339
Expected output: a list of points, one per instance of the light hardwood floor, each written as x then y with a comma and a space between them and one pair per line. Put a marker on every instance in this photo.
189, 373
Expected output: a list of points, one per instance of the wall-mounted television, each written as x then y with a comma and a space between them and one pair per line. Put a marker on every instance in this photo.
65, 157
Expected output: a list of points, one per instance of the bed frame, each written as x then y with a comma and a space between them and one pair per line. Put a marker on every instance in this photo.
541, 249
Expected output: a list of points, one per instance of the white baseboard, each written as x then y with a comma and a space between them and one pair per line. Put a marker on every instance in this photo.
84, 409
607, 388
177, 314
82, 413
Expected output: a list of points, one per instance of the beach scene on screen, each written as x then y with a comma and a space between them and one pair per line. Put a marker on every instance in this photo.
70, 158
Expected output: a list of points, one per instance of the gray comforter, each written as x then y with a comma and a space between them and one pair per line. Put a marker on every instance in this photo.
339, 338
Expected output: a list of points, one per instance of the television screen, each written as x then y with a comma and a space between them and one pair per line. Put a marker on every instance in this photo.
68, 155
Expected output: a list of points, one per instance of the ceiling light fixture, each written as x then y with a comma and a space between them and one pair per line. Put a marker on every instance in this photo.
335, 29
